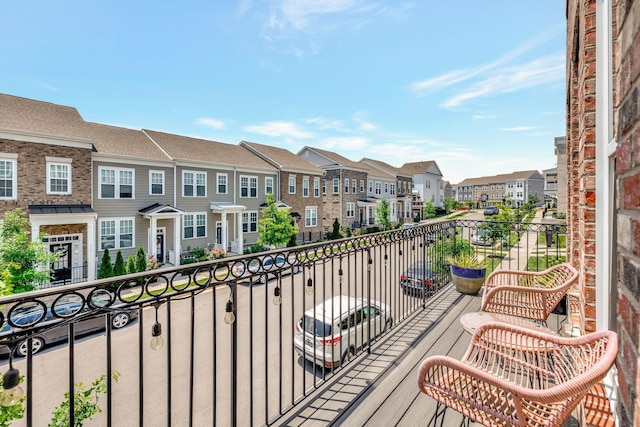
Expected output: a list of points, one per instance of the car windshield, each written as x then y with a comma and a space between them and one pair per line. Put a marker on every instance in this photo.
319, 328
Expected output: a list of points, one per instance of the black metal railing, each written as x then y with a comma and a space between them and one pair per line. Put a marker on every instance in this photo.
214, 343
66, 276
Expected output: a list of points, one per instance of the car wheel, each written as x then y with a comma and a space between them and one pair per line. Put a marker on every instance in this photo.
348, 356
120, 320
37, 344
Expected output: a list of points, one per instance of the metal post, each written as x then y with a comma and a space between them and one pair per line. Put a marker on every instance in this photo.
233, 421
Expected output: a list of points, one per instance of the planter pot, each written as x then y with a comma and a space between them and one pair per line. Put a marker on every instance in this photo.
467, 280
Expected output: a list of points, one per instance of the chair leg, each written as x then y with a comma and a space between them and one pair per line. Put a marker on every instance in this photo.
438, 415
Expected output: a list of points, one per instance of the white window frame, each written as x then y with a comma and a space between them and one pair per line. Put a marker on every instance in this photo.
117, 232
195, 175
354, 186
362, 185
347, 183
316, 187
292, 184
197, 219
351, 210
305, 186
370, 187
336, 185
250, 221
219, 178
117, 182
251, 185
151, 175
65, 165
324, 186
311, 216
268, 185
12, 159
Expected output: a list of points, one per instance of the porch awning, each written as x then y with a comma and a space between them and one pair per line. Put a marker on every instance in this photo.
160, 210
60, 209
226, 207
369, 201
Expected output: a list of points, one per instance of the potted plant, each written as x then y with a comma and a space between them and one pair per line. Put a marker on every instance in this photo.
467, 272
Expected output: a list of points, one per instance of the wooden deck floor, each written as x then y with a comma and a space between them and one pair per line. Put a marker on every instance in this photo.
382, 388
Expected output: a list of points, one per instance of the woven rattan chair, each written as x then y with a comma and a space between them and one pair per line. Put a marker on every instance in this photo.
512, 376
532, 295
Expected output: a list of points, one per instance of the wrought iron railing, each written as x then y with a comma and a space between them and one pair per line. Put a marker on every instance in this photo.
214, 343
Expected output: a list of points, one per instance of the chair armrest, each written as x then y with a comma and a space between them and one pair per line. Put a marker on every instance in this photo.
509, 278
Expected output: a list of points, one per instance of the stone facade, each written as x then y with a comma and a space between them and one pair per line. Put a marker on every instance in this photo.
32, 175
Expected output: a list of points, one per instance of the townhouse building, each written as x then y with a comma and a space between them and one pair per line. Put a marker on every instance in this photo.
45, 169
427, 181
511, 189
343, 187
550, 184
398, 191
298, 186
133, 194
219, 187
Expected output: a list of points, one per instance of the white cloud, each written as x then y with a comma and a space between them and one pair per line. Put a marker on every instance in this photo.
344, 143
366, 126
324, 123
211, 122
518, 129
483, 117
278, 128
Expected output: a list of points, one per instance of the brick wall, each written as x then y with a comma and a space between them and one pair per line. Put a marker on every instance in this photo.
32, 176
580, 151
627, 133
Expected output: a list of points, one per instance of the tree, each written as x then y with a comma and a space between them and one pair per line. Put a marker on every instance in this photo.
22, 258
106, 268
428, 211
131, 264
141, 260
383, 214
275, 226
335, 233
119, 268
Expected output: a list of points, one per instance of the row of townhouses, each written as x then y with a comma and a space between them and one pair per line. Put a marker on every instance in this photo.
513, 189
90, 187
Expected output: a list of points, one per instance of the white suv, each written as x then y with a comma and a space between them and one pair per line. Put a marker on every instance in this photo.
332, 332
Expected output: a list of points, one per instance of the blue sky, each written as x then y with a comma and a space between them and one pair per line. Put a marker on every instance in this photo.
477, 86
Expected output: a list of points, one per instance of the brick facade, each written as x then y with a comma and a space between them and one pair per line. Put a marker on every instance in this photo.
298, 202
627, 133
335, 205
580, 151
32, 175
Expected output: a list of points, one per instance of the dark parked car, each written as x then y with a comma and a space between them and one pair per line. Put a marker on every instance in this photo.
491, 210
28, 316
418, 278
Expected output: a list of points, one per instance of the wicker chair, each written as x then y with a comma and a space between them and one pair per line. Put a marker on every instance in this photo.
532, 295
512, 376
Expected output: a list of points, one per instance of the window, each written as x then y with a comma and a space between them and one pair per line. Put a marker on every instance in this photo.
386, 188
292, 184
324, 186
362, 185
116, 183
194, 225
316, 187
248, 186
58, 176
194, 184
156, 183
268, 185
311, 217
116, 233
370, 186
428, 184
346, 186
353, 186
305, 187
351, 209
378, 187
221, 178
392, 189
336, 185
250, 221
8, 179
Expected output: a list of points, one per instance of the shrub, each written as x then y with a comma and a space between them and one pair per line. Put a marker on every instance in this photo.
141, 260
119, 268
106, 268
131, 264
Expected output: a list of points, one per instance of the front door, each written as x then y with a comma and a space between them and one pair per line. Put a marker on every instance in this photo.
160, 245
62, 267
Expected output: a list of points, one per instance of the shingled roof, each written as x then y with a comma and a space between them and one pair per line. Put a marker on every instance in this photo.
201, 150
282, 159
38, 117
118, 141
338, 159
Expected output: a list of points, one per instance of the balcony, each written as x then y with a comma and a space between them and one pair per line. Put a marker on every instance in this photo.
226, 354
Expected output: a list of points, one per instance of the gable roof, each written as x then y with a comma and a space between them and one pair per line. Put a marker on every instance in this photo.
282, 159
339, 160
423, 166
117, 141
186, 148
502, 178
377, 172
385, 167
37, 117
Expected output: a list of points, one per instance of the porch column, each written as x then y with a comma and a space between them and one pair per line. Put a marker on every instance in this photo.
153, 247
91, 250
177, 237
225, 232
239, 232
